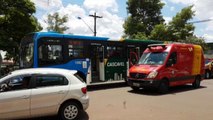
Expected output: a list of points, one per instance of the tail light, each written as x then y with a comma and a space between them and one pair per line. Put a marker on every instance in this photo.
84, 90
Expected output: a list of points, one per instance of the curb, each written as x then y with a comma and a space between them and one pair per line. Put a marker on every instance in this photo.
108, 85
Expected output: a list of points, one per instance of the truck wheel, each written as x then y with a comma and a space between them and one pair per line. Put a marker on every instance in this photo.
196, 83
207, 74
163, 87
70, 111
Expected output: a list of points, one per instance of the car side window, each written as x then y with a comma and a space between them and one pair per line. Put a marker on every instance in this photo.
50, 80
15, 83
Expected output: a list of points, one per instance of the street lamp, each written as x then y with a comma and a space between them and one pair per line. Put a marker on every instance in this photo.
95, 17
86, 24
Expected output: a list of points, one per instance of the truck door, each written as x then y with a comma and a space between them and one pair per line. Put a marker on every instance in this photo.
172, 69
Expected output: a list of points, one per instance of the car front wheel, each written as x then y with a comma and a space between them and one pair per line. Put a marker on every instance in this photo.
70, 111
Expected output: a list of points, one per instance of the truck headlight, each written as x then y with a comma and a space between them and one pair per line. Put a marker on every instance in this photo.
153, 74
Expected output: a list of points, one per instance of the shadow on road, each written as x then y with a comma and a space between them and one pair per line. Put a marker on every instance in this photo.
106, 86
172, 90
83, 116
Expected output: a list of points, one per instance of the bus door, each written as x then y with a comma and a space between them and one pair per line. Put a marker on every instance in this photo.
133, 54
97, 63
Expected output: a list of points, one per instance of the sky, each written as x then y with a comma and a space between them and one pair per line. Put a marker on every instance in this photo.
114, 13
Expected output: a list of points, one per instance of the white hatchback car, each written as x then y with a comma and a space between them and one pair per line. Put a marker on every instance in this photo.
41, 92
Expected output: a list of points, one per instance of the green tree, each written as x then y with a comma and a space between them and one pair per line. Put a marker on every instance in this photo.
16, 20
160, 32
143, 16
140, 35
56, 23
198, 41
179, 28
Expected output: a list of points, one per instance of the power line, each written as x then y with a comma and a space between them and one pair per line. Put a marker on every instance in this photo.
200, 21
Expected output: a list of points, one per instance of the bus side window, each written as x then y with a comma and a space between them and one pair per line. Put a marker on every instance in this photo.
50, 55
114, 51
75, 49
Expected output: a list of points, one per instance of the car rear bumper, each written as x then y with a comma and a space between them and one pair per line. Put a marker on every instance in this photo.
85, 102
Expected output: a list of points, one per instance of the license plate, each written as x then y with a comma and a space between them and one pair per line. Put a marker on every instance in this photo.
136, 84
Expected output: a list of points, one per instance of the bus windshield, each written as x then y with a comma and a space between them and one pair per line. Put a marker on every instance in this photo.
153, 58
26, 57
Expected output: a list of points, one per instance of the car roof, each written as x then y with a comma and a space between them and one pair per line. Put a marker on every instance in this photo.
44, 71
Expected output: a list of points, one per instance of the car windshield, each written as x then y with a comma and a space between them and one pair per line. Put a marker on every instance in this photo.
26, 57
153, 58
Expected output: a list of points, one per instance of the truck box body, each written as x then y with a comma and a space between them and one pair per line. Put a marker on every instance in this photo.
171, 64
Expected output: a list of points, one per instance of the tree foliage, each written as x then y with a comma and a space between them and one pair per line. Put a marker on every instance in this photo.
198, 41
143, 16
56, 23
16, 20
179, 28
160, 32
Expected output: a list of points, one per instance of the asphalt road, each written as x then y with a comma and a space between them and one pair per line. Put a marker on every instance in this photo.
121, 103
181, 103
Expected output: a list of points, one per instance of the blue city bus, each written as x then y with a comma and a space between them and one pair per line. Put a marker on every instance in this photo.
97, 59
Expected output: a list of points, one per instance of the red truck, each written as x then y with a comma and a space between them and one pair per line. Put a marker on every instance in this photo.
164, 65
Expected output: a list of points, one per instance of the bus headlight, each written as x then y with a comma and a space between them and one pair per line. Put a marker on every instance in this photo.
153, 74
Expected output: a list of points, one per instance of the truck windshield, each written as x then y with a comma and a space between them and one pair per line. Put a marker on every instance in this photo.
153, 58
26, 52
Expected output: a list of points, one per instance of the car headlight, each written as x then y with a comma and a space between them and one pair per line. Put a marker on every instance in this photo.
153, 74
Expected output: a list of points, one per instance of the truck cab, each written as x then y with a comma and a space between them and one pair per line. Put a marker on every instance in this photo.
165, 65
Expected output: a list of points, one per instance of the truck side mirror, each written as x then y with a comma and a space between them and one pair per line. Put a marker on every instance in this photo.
169, 63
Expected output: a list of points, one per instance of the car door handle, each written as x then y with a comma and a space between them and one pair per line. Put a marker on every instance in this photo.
61, 92
25, 97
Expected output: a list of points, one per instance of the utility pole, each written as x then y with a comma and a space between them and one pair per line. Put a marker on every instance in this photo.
95, 17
